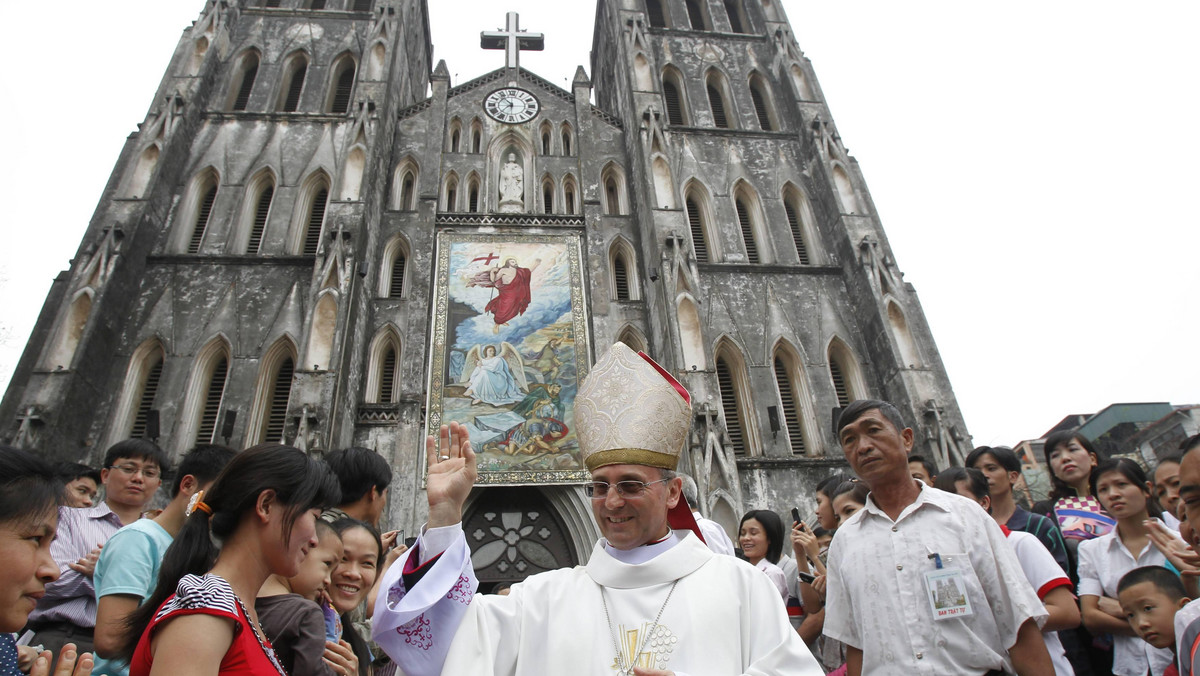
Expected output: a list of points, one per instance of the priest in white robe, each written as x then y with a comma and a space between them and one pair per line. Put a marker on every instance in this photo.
652, 600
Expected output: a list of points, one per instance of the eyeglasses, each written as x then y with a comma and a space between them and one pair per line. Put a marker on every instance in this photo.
150, 473
598, 490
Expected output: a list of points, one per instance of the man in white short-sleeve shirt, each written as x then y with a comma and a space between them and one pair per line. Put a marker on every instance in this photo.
921, 581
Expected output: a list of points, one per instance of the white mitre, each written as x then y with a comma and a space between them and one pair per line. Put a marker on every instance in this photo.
630, 411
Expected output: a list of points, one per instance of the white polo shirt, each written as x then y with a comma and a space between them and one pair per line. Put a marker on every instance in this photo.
1044, 575
876, 597
1102, 562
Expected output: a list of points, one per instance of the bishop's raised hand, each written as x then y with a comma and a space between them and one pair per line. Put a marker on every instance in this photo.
451, 473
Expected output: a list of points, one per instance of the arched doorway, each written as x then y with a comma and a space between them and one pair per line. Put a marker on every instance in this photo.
513, 533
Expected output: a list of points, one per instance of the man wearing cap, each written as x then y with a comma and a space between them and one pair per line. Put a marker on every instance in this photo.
651, 601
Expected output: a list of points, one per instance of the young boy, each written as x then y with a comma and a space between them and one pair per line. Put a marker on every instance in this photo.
1002, 469
1150, 597
128, 567
922, 469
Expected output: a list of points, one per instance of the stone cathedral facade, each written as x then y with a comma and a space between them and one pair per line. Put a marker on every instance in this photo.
273, 260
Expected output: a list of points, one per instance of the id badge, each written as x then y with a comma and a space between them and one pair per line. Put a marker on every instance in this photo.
947, 591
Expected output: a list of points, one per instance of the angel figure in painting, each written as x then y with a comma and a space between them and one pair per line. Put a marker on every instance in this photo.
495, 378
511, 283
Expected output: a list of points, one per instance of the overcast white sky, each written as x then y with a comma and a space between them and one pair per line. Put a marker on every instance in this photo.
1033, 164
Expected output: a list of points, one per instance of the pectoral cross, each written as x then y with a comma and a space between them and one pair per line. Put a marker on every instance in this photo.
512, 40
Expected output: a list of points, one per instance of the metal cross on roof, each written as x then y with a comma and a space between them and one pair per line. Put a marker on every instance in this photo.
512, 40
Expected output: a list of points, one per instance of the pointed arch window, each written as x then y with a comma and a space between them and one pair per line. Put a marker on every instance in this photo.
153, 366
566, 140
762, 109
545, 134
569, 196
844, 372
206, 430
473, 195
696, 16
633, 340
747, 229
657, 13
548, 196
839, 383
315, 221
696, 224
451, 203
297, 70
383, 371
611, 200
262, 209
203, 213
620, 278
793, 220
737, 21
343, 86
731, 404
281, 392
788, 404
247, 73
716, 90
387, 376
454, 139
396, 281
674, 102
476, 137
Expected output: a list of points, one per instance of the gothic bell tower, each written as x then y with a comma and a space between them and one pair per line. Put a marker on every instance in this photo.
771, 288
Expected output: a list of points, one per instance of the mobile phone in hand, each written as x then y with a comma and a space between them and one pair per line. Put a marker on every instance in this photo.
807, 578
796, 517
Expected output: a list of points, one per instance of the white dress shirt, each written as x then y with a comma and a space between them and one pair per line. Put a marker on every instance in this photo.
1102, 562
876, 597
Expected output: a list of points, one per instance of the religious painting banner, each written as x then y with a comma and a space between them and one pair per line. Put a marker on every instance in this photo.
509, 347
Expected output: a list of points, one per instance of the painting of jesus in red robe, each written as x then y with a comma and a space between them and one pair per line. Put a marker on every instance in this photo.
511, 283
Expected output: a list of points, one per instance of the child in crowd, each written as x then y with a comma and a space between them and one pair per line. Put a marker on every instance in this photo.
1046, 576
290, 611
1150, 597
922, 469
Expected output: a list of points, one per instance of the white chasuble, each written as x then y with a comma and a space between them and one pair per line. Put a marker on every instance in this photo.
723, 618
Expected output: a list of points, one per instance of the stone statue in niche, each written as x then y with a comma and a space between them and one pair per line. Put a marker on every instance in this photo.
512, 186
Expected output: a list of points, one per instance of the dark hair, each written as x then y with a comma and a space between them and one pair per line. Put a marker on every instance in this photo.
1131, 471
772, 527
930, 468
856, 409
1166, 581
1189, 444
137, 449
857, 489
204, 462
358, 470
300, 484
1003, 454
826, 485
1059, 488
324, 527
70, 471
821, 532
977, 483
29, 488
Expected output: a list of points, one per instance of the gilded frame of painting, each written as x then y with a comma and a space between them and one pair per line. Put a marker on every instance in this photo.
509, 367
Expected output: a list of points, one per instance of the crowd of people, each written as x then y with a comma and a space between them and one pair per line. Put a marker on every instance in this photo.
271, 561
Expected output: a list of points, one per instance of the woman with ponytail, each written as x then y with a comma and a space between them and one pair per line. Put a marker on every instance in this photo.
259, 518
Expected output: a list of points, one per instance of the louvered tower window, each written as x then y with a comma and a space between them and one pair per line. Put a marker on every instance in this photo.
548, 198
292, 102
316, 217
787, 400
717, 104
261, 210
797, 234
729, 404
476, 140
387, 377
341, 92
396, 283
569, 198
697, 227
674, 105
212, 402
760, 108
146, 402
743, 214
735, 16
566, 142
658, 19
202, 215
318, 4
839, 383
362, 5
546, 143
247, 84
281, 392
621, 277
451, 196
473, 199
695, 15
454, 136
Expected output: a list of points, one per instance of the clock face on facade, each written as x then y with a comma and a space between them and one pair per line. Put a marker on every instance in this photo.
511, 106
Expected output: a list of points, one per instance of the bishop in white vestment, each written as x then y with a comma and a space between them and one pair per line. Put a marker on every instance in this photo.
651, 601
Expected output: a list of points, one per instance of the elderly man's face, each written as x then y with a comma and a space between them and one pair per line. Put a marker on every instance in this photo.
875, 449
628, 522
